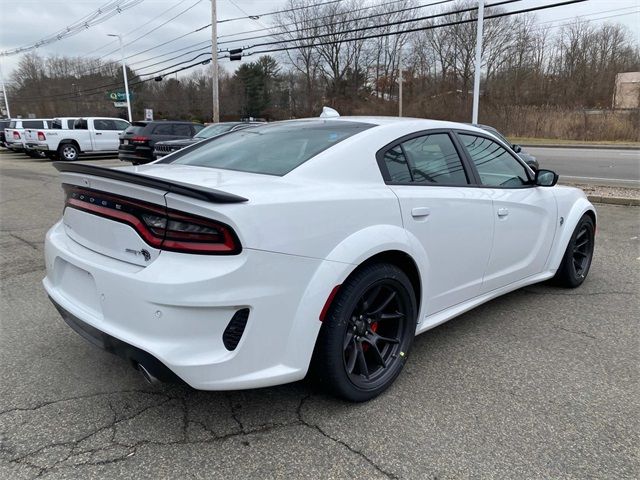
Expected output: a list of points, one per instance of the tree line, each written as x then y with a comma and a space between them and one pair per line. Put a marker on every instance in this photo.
337, 54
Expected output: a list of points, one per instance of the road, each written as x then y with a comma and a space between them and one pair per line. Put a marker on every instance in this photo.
594, 166
541, 383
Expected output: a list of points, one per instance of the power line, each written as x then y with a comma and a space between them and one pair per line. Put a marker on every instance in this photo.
389, 24
418, 29
138, 27
440, 2
100, 15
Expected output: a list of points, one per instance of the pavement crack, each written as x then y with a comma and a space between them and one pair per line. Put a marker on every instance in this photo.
24, 240
340, 442
578, 332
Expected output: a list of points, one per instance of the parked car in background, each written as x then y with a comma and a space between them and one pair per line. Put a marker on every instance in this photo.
31, 135
91, 135
3, 124
165, 148
527, 157
138, 141
14, 133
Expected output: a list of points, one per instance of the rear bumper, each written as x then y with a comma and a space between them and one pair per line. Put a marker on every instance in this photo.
177, 308
16, 146
139, 155
112, 345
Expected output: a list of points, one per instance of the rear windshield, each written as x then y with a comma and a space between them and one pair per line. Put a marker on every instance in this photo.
273, 149
135, 129
56, 124
32, 124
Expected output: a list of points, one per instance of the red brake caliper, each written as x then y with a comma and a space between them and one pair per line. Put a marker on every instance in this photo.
374, 328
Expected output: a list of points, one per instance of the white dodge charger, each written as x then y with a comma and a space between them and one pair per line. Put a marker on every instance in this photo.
316, 246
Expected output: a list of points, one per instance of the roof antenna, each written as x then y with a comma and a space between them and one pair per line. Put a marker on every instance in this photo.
328, 112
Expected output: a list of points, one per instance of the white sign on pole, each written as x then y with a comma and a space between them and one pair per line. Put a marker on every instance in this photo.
148, 114
120, 104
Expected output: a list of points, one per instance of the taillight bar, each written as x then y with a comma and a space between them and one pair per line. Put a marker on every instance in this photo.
158, 226
139, 139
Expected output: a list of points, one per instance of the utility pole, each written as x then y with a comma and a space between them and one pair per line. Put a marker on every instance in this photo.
400, 82
124, 73
476, 76
214, 62
4, 94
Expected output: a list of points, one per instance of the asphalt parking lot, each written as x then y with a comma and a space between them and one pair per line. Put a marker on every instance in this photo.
541, 383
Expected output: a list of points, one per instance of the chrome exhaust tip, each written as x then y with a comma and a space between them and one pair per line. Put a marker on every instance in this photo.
148, 376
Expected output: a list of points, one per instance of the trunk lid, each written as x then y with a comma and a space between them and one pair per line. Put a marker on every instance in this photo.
104, 206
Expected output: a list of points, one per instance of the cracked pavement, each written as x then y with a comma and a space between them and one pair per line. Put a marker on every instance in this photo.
541, 383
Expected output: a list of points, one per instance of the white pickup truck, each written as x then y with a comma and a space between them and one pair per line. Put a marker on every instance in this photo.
31, 134
92, 135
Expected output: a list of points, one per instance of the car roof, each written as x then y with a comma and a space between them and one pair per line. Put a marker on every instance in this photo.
415, 124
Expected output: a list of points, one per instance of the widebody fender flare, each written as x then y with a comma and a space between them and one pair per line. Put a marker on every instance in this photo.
341, 262
570, 212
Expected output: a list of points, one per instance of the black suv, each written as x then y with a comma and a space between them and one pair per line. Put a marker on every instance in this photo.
137, 141
165, 148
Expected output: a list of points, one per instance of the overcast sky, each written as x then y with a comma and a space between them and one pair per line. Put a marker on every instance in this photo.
31, 20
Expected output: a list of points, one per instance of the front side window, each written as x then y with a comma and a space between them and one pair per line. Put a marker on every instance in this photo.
104, 124
273, 149
121, 124
496, 166
427, 159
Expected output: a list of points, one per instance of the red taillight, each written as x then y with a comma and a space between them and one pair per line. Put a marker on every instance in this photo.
16, 135
41, 137
139, 139
160, 227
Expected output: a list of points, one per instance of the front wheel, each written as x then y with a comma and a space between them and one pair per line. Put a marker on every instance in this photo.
578, 255
367, 333
68, 151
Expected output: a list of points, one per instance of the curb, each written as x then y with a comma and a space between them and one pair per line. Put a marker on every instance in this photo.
585, 147
629, 202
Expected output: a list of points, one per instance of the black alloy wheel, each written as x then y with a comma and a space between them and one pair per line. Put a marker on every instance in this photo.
372, 340
578, 256
368, 331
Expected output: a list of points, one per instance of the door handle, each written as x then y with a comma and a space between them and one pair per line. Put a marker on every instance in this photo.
503, 212
418, 212
98, 133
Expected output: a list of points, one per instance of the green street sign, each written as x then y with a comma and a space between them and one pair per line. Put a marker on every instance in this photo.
119, 96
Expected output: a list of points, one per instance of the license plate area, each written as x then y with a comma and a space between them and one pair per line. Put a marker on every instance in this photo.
78, 286
125, 142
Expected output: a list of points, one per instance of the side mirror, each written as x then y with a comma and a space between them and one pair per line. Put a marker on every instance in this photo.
517, 148
546, 178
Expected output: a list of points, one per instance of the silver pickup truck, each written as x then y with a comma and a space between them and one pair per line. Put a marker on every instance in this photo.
91, 135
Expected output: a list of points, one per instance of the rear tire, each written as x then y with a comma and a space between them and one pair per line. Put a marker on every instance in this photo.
367, 333
68, 152
576, 261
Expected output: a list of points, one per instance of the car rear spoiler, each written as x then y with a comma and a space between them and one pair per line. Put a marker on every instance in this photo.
201, 193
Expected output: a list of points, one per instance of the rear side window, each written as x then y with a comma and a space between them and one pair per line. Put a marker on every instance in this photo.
427, 159
32, 124
274, 149
12, 124
162, 129
182, 130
